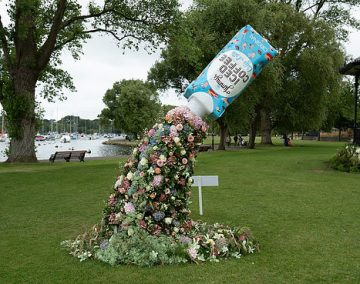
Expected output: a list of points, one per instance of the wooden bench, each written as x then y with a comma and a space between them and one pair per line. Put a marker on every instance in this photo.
68, 155
204, 148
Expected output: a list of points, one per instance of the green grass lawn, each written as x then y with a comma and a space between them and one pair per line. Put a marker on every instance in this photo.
305, 216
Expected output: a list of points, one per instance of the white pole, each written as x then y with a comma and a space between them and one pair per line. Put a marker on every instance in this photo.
200, 199
2, 122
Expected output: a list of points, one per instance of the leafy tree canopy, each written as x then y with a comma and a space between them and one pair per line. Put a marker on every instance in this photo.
132, 105
294, 87
31, 45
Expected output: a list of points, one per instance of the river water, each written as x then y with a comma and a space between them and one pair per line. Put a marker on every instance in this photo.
45, 148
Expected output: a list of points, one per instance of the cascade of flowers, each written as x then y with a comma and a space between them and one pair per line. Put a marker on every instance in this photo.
147, 218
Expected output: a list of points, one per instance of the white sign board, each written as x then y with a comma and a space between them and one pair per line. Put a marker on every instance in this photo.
200, 181
205, 181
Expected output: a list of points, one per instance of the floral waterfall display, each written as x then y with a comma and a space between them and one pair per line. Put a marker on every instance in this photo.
147, 218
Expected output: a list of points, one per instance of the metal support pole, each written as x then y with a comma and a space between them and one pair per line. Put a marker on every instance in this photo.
212, 137
356, 108
200, 200
212, 141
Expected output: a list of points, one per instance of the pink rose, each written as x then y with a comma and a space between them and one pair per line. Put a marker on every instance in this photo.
184, 161
112, 218
151, 132
242, 237
160, 163
190, 138
112, 200
122, 190
179, 127
126, 184
142, 224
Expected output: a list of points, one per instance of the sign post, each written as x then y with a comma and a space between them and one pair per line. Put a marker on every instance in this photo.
200, 181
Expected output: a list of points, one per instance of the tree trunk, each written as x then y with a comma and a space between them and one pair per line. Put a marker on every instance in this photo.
265, 127
253, 129
223, 133
22, 120
23, 149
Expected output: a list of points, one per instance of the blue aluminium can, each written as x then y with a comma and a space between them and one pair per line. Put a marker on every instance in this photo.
229, 73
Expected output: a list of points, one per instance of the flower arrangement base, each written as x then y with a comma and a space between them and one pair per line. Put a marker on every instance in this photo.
147, 218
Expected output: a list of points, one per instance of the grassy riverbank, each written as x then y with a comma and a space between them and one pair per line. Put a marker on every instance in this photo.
304, 214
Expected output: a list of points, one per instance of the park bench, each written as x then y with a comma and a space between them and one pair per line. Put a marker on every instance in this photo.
67, 155
204, 148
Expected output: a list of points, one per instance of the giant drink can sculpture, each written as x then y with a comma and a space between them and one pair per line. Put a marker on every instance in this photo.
229, 73
146, 218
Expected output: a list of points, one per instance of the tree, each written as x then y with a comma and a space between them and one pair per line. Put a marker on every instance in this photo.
340, 109
31, 46
292, 92
335, 13
201, 33
132, 105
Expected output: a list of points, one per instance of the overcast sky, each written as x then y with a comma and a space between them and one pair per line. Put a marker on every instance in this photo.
103, 63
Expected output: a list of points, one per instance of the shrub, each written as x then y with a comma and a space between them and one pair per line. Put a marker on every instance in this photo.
347, 159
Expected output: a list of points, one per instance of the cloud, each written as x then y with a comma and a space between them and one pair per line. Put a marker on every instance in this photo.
102, 64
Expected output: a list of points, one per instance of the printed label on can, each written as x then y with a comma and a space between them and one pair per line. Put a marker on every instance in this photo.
230, 73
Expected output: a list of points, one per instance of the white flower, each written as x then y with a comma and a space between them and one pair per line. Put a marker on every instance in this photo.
224, 249
135, 150
211, 242
150, 171
176, 229
162, 158
143, 161
85, 255
155, 148
129, 176
192, 252
218, 236
183, 152
118, 216
117, 183
176, 140
160, 126
236, 254
168, 220
251, 249
154, 254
